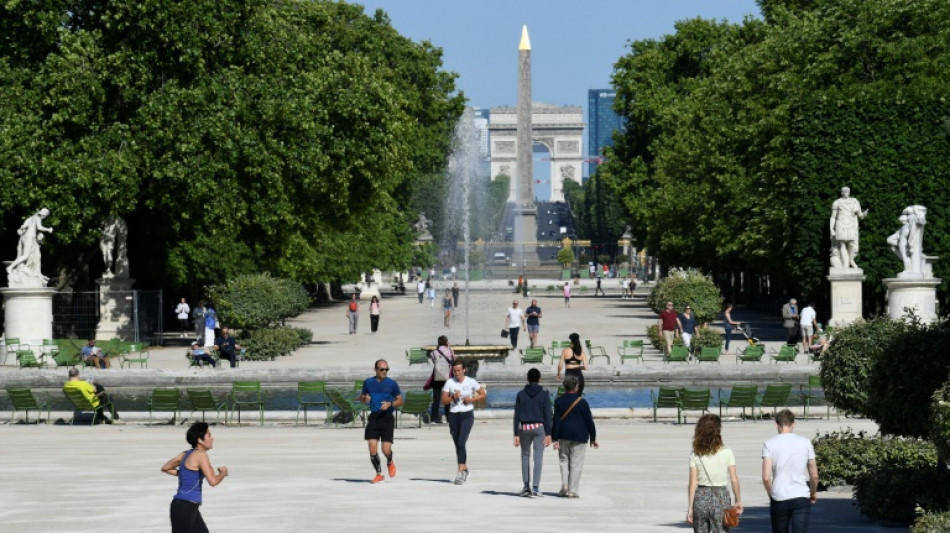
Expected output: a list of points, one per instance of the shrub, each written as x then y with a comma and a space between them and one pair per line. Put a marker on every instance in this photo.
257, 301
904, 476
940, 421
657, 340
565, 256
846, 367
268, 343
689, 287
704, 336
304, 335
931, 522
842, 456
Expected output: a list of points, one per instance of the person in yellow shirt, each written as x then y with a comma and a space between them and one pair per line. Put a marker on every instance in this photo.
92, 392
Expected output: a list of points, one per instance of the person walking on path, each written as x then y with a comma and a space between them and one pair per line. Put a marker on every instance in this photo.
532, 426
687, 324
514, 319
524, 288
460, 394
573, 362
598, 289
809, 324
182, 310
572, 429
374, 313
383, 396
669, 326
790, 320
353, 313
192, 467
567, 294
430, 292
421, 289
447, 308
533, 314
455, 295
728, 324
711, 467
790, 476
443, 357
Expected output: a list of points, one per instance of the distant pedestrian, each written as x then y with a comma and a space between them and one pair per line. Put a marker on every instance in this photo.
210, 321
383, 396
790, 320
353, 313
809, 324
430, 292
567, 294
728, 324
421, 289
460, 394
454, 271
455, 295
447, 308
524, 288
591, 270
573, 362
374, 313
533, 316
687, 324
443, 357
572, 429
514, 319
790, 476
182, 310
669, 326
598, 289
711, 467
532, 427
198, 319
624, 288
192, 467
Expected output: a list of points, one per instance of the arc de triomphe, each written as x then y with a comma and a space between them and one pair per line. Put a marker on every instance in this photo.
558, 128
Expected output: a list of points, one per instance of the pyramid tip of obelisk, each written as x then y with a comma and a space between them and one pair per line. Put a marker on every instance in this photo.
525, 41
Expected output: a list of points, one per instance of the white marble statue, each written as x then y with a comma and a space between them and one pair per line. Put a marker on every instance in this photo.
24, 271
907, 242
114, 235
422, 228
845, 214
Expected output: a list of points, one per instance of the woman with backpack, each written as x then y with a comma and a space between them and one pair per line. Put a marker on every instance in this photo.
442, 359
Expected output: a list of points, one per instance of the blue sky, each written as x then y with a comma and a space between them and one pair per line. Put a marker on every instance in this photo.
574, 43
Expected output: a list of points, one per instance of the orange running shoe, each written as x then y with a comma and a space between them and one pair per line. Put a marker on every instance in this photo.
378, 478
392, 469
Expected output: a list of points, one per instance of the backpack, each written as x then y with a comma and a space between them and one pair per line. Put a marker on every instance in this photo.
353, 306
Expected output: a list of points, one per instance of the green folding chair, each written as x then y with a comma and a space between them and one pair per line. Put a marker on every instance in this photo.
416, 403
666, 397
203, 400
532, 356
164, 400
752, 354
312, 394
679, 353
786, 354
246, 394
630, 349
23, 399
693, 400
741, 396
775, 396
596, 351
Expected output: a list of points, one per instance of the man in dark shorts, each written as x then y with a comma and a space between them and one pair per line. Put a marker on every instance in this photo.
534, 322
383, 396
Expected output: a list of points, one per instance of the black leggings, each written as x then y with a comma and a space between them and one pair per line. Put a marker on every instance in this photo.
434, 413
460, 425
186, 518
576, 372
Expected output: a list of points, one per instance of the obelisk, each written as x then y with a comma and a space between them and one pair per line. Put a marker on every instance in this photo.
525, 196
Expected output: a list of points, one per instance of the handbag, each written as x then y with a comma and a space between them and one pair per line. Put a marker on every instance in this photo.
428, 383
504, 333
730, 516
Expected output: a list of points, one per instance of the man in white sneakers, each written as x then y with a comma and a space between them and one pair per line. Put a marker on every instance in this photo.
790, 475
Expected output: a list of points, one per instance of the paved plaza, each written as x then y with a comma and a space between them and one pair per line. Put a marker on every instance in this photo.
287, 478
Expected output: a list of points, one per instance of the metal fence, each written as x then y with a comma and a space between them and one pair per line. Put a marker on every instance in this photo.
77, 315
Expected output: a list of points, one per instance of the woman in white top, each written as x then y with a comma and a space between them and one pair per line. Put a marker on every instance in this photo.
460, 393
711, 467
182, 310
374, 314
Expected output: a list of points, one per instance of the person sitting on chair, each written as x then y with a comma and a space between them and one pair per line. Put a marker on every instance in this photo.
93, 393
198, 355
227, 347
93, 354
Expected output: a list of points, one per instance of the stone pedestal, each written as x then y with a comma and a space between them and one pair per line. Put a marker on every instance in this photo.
919, 294
28, 315
116, 305
846, 295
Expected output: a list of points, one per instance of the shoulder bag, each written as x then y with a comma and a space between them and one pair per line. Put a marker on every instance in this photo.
730, 516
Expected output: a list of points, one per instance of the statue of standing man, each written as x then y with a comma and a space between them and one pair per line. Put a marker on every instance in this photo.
845, 214
114, 234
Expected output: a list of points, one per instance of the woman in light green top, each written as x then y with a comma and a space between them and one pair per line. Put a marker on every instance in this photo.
711, 467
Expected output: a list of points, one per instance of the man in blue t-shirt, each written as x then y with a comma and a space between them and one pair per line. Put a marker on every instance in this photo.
383, 396
533, 313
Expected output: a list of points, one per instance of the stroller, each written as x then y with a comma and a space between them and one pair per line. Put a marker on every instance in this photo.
746, 331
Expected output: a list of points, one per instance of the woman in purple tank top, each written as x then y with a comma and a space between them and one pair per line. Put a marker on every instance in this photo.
192, 467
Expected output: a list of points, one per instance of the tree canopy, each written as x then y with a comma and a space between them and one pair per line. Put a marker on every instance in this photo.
739, 136
233, 136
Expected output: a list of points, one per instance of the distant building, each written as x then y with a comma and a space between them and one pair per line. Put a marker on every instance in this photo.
602, 121
481, 128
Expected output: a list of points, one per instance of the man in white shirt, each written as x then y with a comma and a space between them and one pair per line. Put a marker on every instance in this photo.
790, 475
514, 319
421, 289
809, 324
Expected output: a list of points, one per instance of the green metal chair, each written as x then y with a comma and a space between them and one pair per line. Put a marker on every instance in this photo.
82, 404
775, 396
26, 359
678, 354
596, 351
135, 353
164, 400
312, 394
417, 356
741, 396
203, 400
666, 397
416, 403
709, 354
10, 345
786, 354
693, 400
630, 349
66, 353
246, 394
813, 392
344, 404
23, 399
532, 356
556, 348
752, 354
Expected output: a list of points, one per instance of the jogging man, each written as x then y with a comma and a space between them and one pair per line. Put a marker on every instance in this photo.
383, 396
